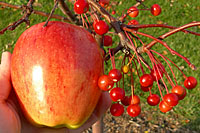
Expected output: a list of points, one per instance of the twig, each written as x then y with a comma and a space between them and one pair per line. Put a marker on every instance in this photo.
34, 12
139, 2
28, 10
114, 51
65, 9
158, 25
52, 11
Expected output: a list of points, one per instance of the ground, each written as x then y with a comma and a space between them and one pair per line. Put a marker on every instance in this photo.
146, 122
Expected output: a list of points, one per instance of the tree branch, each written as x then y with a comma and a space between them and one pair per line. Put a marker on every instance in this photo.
158, 25
65, 9
28, 10
15, 24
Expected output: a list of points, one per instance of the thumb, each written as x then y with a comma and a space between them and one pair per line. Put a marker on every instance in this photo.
5, 78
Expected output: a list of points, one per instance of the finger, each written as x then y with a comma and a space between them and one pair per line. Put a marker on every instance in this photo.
5, 79
102, 106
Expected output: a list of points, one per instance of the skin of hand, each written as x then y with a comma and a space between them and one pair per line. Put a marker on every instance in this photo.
11, 116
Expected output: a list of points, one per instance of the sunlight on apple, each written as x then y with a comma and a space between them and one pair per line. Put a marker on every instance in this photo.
37, 82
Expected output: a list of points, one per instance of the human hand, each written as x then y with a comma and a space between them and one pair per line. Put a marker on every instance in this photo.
11, 117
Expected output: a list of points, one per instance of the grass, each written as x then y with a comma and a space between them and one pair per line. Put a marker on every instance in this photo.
176, 13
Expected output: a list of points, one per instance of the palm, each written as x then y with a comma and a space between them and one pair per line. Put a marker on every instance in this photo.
11, 117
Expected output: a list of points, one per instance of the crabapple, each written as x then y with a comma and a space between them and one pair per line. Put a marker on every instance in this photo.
107, 40
100, 27
134, 110
146, 89
164, 107
116, 109
153, 99
125, 69
155, 10
146, 80
179, 91
115, 75
133, 11
190, 82
105, 83
134, 99
81, 6
171, 99
117, 94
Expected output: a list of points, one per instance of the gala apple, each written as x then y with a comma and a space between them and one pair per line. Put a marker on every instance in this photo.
55, 71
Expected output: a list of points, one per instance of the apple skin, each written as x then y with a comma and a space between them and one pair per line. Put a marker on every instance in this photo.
54, 72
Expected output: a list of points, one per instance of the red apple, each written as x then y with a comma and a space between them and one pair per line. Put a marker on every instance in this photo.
55, 74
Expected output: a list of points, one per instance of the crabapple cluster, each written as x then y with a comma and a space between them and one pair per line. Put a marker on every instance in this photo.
111, 81
117, 95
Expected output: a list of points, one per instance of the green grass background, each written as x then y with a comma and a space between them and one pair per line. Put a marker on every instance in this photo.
174, 12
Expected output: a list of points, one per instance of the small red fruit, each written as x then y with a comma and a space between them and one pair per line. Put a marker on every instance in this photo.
146, 89
190, 82
113, 12
133, 11
105, 83
107, 40
116, 109
134, 99
81, 6
100, 27
155, 10
117, 94
171, 99
179, 91
115, 75
133, 22
104, 3
183, 96
125, 101
134, 110
164, 107
146, 80
153, 99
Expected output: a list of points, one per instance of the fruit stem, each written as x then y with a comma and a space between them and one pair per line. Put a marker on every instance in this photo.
129, 27
112, 59
135, 51
132, 81
153, 61
166, 74
136, 67
164, 57
87, 19
133, 54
